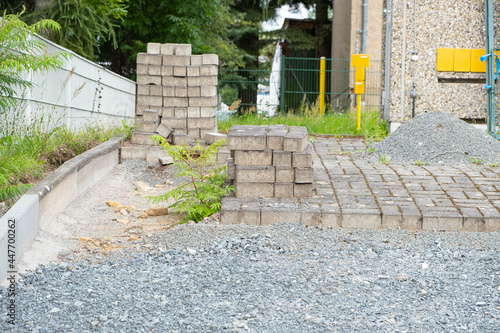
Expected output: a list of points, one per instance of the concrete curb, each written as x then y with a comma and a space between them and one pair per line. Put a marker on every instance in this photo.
36, 209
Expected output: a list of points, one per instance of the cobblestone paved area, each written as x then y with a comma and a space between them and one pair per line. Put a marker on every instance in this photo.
352, 192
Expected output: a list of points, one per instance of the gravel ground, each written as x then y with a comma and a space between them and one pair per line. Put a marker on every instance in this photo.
281, 278
438, 138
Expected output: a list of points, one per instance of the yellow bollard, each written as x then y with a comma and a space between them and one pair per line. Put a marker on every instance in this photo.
322, 76
358, 109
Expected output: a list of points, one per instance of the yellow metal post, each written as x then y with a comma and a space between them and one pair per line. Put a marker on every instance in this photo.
322, 76
358, 109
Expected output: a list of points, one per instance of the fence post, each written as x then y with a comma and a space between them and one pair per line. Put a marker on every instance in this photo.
322, 76
282, 93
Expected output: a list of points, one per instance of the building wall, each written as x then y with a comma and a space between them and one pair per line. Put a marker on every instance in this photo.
420, 30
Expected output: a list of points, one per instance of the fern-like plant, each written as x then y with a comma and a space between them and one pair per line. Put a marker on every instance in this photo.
200, 196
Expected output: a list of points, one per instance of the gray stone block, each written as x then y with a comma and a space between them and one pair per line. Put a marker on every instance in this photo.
155, 90
211, 137
149, 79
180, 138
302, 190
208, 70
208, 91
142, 69
147, 127
167, 49
283, 190
201, 122
200, 81
164, 130
194, 133
296, 139
210, 59
285, 175
174, 123
133, 152
175, 102
193, 71
273, 215
143, 89
282, 158
253, 157
222, 156
311, 215
203, 101
149, 59
229, 212
139, 138
150, 116
303, 159
149, 100
196, 60
193, 112
168, 91
167, 112
167, 70
174, 60
304, 175
208, 111
154, 70
254, 174
168, 81
254, 190
275, 138
194, 92
183, 50
362, 221
247, 139
180, 71
180, 112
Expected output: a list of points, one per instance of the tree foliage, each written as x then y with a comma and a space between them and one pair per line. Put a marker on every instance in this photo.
20, 52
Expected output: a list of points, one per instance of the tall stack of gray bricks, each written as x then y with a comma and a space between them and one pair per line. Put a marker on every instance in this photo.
270, 161
176, 94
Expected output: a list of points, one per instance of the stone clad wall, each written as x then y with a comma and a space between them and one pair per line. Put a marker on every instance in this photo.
429, 25
176, 93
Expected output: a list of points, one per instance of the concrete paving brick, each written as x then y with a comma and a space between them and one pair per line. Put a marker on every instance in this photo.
361, 221
168, 91
247, 140
208, 111
155, 90
211, 138
150, 116
283, 190
164, 130
180, 138
175, 102
304, 175
296, 139
275, 138
208, 70
174, 123
173, 60
285, 175
149, 59
133, 152
167, 49
201, 122
148, 127
303, 159
200, 81
253, 157
139, 138
210, 59
176, 81
222, 156
491, 224
149, 79
154, 70
142, 69
180, 71
180, 112
250, 216
197, 60
302, 190
203, 101
254, 190
167, 71
273, 215
194, 133
194, 92
231, 169
208, 91
143, 89
181, 92
167, 112
254, 174
474, 224
193, 112
311, 215
183, 50
281, 158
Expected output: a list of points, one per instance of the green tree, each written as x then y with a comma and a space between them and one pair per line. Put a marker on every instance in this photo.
85, 24
20, 52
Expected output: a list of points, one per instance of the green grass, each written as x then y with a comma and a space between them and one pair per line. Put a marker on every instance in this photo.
25, 159
339, 124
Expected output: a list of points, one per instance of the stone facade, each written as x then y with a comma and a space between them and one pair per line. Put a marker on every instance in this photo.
270, 161
176, 93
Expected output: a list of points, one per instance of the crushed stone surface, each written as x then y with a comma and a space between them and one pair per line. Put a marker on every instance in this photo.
437, 138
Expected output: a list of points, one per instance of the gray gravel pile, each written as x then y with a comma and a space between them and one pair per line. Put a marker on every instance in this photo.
438, 138
281, 278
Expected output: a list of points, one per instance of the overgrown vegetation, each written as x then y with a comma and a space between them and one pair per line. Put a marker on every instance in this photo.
342, 124
200, 194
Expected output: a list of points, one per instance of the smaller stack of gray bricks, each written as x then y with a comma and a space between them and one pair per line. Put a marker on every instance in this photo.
176, 94
270, 161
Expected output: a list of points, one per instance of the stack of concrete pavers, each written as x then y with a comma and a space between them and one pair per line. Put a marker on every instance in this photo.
176, 93
270, 161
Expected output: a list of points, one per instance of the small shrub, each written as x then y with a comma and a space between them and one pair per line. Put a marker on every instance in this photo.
200, 196
384, 159
419, 162
494, 164
476, 161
